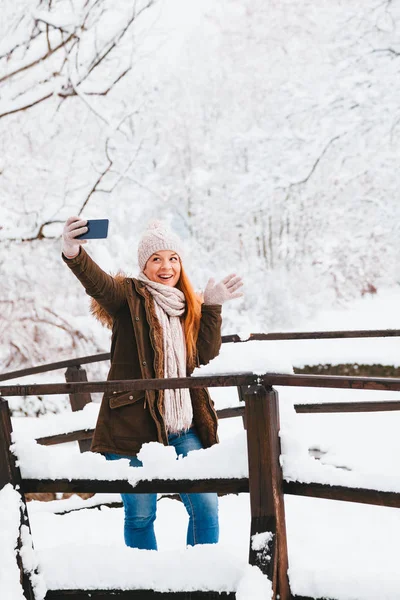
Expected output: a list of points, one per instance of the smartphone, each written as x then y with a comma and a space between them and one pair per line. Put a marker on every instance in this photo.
97, 229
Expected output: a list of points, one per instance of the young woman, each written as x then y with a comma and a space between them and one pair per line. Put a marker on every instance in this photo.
160, 328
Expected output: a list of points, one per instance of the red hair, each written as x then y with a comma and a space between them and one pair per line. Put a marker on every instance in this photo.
191, 324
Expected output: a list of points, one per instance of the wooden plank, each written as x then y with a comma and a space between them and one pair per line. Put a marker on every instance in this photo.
63, 438
62, 364
235, 411
135, 595
237, 379
228, 486
347, 494
311, 598
348, 407
314, 335
129, 385
10, 474
277, 492
296, 335
79, 401
265, 486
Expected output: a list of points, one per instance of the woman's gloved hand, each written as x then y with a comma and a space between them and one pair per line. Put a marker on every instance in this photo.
73, 227
223, 291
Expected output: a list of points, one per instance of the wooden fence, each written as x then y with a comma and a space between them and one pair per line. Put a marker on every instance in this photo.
265, 482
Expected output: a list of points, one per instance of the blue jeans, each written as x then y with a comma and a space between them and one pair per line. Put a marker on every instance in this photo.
140, 509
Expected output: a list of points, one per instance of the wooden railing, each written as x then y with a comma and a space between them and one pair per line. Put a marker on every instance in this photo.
261, 418
265, 482
276, 336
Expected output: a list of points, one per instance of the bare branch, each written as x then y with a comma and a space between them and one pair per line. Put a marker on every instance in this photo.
94, 188
100, 57
38, 60
21, 108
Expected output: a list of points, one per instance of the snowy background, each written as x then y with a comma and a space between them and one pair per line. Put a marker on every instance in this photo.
268, 135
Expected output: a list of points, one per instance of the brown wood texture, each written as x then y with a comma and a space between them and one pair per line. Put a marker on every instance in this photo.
277, 491
63, 438
129, 385
10, 473
229, 486
62, 364
227, 413
296, 335
346, 494
314, 335
265, 485
348, 407
78, 401
237, 379
135, 595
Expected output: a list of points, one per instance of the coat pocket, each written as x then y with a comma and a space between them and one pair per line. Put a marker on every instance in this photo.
125, 398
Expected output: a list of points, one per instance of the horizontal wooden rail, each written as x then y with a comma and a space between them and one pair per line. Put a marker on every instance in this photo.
121, 486
222, 486
135, 595
87, 434
64, 438
237, 379
314, 335
338, 492
234, 380
295, 335
348, 407
62, 364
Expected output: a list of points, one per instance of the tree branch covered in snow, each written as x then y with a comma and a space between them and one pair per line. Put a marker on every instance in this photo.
66, 49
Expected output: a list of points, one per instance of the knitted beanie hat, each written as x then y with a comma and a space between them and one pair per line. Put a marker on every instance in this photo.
158, 237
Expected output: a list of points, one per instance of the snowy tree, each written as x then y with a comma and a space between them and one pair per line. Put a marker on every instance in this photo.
266, 134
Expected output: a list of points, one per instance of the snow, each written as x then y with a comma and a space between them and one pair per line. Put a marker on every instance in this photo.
286, 172
159, 462
369, 459
260, 540
28, 427
254, 585
88, 567
253, 357
10, 586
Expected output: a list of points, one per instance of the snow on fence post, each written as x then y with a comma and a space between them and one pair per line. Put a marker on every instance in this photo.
268, 552
78, 401
10, 473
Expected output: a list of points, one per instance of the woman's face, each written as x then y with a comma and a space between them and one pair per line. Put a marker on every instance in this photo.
163, 267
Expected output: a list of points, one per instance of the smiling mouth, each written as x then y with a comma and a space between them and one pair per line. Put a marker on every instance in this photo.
165, 277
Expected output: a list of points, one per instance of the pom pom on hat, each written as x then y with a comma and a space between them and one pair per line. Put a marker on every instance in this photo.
158, 237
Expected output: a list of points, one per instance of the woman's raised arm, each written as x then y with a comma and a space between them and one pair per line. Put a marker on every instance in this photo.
99, 285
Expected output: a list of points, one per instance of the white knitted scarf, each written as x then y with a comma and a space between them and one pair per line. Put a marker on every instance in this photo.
170, 304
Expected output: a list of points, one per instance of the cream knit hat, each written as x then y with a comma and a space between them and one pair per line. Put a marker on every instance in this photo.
158, 237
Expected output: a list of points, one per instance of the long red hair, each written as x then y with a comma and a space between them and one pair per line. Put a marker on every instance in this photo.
191, 323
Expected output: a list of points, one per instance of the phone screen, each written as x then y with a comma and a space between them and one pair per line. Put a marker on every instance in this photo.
97, 229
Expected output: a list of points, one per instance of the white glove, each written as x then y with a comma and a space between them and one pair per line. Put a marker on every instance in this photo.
223, 291
73, 227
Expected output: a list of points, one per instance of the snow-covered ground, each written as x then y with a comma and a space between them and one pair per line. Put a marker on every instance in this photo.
339, 550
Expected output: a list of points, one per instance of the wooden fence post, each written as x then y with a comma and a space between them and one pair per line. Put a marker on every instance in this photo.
78, 401
266, 487
10, 473
240, 391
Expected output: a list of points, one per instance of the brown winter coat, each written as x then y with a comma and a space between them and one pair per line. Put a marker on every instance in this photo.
129, 419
